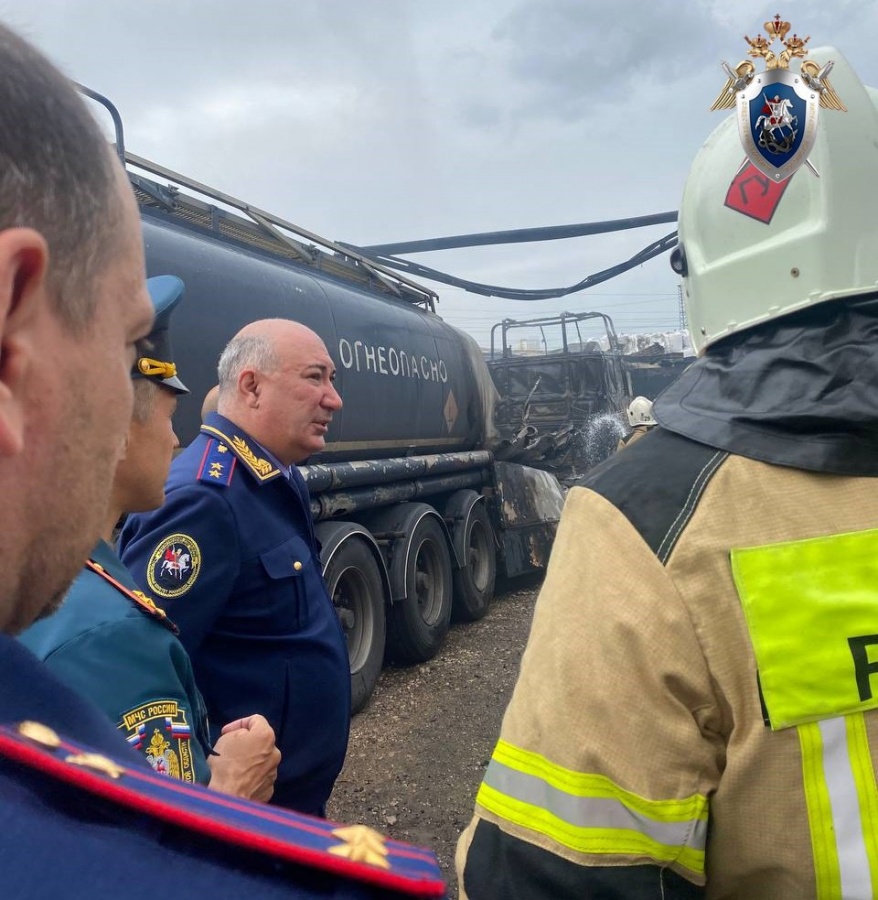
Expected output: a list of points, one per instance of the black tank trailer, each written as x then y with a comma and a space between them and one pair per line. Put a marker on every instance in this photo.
413, 510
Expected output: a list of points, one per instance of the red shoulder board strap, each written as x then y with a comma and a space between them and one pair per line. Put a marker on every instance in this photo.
353, 852
140, 599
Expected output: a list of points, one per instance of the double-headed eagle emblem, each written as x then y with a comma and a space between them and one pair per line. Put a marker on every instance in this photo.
777, 108
161, 757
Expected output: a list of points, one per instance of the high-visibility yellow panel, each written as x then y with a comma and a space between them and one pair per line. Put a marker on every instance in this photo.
812, 612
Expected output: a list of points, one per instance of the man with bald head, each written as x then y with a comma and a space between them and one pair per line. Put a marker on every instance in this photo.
233, 558
208, 405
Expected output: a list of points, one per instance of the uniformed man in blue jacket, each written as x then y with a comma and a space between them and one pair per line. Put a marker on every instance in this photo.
114, 645
81, 815
233, 558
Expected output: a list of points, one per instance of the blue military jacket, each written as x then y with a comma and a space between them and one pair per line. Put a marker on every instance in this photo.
233, 558
123, 654
82, 816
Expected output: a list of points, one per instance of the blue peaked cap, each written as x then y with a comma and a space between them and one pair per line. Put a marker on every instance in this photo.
155, 359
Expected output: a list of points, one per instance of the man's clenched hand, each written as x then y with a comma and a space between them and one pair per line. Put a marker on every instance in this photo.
245, 759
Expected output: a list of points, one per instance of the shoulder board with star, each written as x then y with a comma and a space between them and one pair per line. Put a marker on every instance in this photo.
352, 853
217, 464
142, 601
234, 444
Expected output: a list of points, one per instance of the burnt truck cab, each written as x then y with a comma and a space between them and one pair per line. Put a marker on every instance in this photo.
563, 389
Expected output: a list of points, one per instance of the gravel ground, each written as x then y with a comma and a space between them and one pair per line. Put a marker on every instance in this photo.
419, 749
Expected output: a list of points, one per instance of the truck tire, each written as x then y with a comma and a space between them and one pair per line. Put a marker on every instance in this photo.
417, 624
474, 582
357, 591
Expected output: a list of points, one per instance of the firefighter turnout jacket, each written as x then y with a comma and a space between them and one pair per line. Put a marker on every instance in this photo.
636, 433
695, 713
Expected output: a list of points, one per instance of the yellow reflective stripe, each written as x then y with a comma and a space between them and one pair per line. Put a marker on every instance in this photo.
581, 784
589, 813
587, 840
826, 866
867, 791
842, 801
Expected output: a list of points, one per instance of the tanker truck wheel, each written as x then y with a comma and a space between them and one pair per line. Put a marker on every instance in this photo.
474, 583
357, 592
418, 623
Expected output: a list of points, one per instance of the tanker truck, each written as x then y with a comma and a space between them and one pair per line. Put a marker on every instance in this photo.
414, 513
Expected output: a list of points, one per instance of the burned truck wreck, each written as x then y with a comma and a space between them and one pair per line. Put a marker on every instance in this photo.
560, 409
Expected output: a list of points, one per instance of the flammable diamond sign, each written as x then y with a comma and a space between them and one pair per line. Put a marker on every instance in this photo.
777, 122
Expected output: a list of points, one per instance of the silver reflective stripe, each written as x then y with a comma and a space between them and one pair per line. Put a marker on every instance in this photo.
592, 812
856, 880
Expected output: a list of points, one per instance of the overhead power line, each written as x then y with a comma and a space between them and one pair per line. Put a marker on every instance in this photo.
519, 235
384, 253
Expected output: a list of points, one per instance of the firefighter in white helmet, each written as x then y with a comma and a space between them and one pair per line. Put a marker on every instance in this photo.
640, 418
696, 713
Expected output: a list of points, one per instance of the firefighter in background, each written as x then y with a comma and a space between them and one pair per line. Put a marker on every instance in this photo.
695, 715
640, 418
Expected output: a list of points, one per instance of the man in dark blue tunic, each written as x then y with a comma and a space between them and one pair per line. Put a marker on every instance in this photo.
233, 558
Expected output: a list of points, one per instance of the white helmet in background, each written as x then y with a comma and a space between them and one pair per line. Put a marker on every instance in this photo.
640, 412
815, 236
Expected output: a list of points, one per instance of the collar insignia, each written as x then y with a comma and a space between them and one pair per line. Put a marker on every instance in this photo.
777, 108
262, 468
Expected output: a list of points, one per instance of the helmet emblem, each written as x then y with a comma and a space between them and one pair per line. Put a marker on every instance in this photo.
777, 108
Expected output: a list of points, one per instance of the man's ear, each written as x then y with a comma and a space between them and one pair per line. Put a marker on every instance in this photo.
24, 260
248, 388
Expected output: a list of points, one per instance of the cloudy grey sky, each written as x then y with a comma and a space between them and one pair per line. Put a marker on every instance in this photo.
372, 121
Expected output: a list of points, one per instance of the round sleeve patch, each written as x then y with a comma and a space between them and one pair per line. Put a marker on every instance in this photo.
174, 566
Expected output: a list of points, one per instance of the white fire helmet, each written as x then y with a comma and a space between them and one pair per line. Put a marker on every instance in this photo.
640, 412
820, 241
